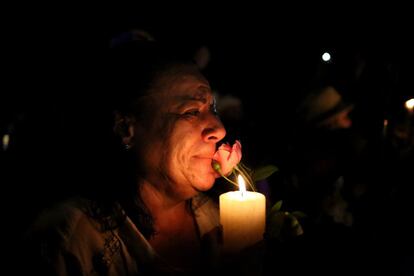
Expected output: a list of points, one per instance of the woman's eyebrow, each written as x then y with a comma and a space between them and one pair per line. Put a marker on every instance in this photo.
186, 100
201, 97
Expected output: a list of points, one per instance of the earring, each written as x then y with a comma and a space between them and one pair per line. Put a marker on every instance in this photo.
127, 146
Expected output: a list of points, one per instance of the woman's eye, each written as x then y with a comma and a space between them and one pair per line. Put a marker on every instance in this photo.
193, 112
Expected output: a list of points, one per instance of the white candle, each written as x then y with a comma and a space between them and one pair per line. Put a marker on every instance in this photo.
242, 215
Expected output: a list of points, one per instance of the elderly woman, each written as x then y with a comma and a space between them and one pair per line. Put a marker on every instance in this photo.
153, 216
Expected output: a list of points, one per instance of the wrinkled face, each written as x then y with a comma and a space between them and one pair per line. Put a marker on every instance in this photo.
179, 139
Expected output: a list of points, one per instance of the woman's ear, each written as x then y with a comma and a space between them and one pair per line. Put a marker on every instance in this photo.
124, 127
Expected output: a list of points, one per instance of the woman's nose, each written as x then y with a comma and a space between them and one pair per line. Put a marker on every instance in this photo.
214, 131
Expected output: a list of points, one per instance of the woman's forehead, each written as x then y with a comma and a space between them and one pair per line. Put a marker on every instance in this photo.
181, 90
176, 72
201, 94
183, 84
183, 95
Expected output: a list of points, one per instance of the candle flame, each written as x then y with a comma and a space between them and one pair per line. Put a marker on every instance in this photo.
242, 184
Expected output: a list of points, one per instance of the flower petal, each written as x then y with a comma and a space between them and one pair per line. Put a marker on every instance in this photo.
228, 156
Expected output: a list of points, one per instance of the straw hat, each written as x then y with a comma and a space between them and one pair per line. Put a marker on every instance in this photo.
324, 106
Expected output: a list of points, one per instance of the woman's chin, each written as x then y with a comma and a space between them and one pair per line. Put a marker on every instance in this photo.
206, 183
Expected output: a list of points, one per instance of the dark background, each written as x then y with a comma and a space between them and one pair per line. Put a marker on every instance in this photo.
261, 54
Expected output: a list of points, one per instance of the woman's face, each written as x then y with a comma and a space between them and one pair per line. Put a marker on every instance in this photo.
178, 140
